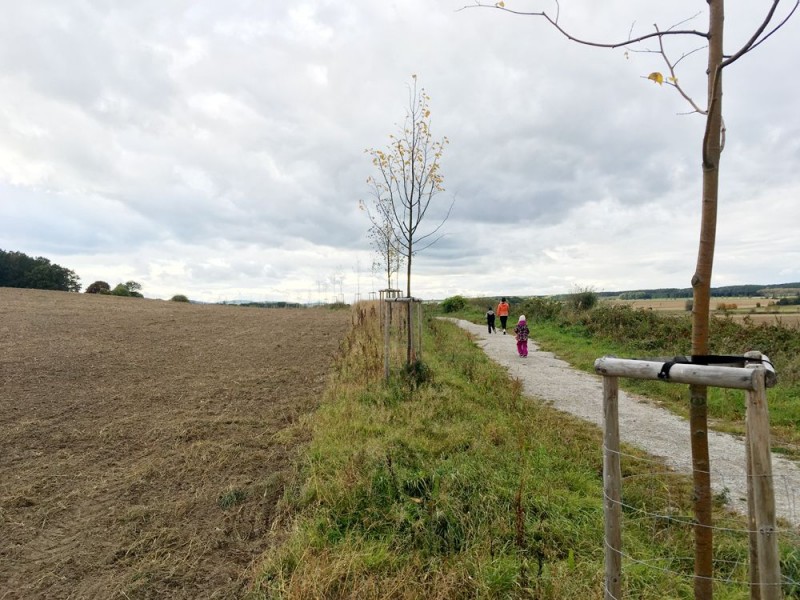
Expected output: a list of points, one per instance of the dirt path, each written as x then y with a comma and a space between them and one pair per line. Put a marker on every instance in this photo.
642, 424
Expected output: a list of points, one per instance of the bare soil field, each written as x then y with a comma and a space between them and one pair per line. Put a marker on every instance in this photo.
144, 444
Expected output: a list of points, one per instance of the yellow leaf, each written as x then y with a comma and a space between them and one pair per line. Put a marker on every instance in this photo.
500, 4
657, 77
672, 80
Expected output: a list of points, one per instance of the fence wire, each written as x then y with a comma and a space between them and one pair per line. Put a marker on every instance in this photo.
659, 500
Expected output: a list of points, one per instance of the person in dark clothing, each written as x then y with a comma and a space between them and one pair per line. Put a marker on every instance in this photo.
490, 320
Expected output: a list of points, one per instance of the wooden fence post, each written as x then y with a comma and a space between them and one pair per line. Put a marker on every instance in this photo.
387, 338
419, 321
612, 489
757, 419
755, 588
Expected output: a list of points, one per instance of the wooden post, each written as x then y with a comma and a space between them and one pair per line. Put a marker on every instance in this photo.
387, 325
755, 589
410, 324
612, 489
763, 491
419, 322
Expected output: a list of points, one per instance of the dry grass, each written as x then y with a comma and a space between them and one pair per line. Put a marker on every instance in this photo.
144, 444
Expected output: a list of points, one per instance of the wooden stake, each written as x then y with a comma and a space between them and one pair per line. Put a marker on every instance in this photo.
755, 589
769, 567
386, 339
612, 489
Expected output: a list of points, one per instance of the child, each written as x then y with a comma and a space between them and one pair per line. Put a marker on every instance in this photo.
490, 320
522, 332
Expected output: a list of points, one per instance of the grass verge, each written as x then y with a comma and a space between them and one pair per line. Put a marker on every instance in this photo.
455, 485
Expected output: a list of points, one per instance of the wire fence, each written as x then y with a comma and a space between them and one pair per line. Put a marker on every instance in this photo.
657, 498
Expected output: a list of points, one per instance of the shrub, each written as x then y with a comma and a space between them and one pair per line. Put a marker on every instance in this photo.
789, 301
179, 298
99, 287
130, 288
454, 304
120, 290
582, 299
541, 309
689, 305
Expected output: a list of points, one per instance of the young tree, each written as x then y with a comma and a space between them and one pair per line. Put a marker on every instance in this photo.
407, 180
711, 150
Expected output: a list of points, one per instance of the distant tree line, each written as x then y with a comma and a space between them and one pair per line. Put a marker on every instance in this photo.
268, 304
18, 270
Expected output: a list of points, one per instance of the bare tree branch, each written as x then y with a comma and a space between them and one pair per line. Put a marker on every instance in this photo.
673, 79
572, 38
753, 42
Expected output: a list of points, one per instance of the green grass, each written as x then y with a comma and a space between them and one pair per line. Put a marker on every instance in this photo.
460, 487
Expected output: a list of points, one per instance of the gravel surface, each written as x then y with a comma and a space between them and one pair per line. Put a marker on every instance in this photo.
642, 423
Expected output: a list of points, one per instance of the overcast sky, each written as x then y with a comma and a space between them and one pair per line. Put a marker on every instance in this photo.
216, 149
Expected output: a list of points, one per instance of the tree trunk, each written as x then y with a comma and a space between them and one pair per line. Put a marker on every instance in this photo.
701, 285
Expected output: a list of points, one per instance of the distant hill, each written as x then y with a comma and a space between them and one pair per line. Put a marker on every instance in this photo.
775, 290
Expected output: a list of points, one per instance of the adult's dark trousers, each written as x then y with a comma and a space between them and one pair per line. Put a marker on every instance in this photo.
503, 320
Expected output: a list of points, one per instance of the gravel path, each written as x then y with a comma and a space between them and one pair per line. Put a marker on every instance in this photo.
642, 423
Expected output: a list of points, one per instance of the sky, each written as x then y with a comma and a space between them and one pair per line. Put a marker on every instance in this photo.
217, 150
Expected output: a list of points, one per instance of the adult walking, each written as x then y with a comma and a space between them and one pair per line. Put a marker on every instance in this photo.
502, 312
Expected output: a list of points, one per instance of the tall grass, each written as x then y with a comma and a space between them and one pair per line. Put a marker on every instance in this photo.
455, 485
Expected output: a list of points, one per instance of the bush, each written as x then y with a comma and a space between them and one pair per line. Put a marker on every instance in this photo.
179, 298
120, 290
583, 299
688, 305
541, 309
789, 301
454, 304
99, 287
130, 288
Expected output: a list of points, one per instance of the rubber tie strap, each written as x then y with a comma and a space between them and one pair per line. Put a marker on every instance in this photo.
665, 368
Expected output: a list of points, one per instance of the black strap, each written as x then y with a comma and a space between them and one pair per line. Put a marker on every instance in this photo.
708, 359
664, 372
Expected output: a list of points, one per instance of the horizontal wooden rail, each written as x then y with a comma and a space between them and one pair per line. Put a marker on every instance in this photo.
741, 378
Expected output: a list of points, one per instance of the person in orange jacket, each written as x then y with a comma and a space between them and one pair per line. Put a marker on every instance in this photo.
502, 312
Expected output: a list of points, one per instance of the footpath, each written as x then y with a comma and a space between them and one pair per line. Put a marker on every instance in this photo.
643, 424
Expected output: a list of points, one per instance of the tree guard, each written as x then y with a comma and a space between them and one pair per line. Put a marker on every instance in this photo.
753, 373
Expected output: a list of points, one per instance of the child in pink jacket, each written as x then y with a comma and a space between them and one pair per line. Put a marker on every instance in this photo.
522, 333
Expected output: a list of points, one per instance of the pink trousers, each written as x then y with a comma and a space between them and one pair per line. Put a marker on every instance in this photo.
522, 348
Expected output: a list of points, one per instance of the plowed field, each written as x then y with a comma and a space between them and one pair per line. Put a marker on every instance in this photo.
144, 444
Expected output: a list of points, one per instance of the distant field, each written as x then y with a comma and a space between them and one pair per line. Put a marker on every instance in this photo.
758, 309
144, 444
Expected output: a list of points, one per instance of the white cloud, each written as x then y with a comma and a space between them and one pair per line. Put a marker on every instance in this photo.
219, 151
